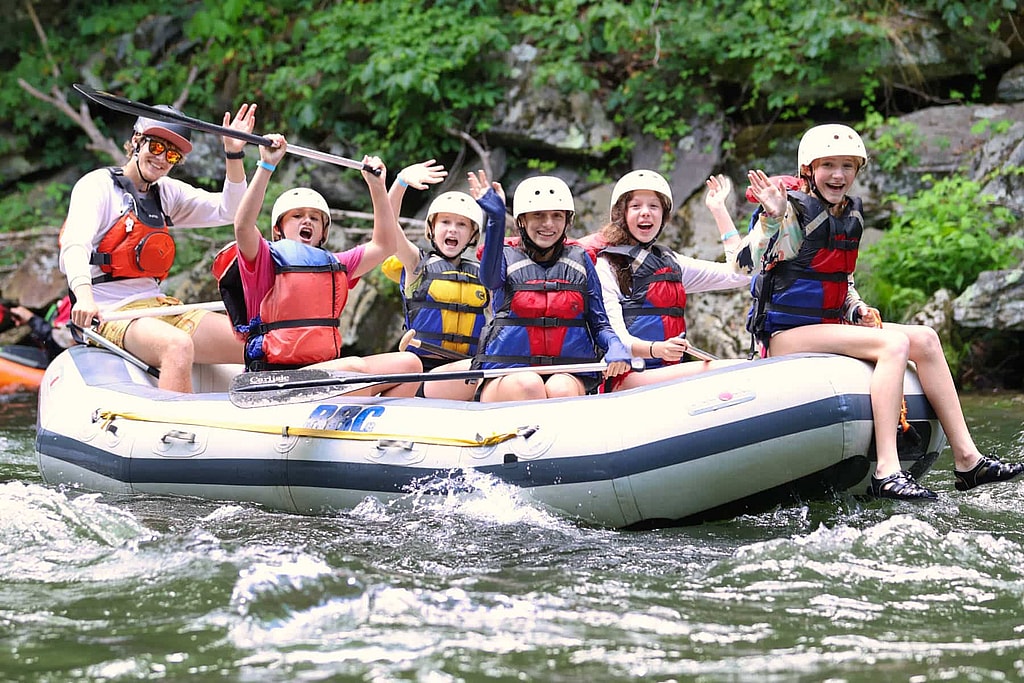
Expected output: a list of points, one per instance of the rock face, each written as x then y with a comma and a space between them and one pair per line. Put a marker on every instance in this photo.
982, 142
994, 302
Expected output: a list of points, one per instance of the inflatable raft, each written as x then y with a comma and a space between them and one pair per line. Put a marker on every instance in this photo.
741, 439
21, 368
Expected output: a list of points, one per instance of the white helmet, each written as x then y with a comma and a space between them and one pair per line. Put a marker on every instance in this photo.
830, 140
543, 193
301, 198
458, 203
642, 180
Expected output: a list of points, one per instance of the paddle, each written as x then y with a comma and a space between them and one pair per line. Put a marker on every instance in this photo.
700, 354
91, 335
409, 339
160, 311
127, 106
274, 387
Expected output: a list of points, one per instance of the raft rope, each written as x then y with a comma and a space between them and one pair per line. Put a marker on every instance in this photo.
108, 416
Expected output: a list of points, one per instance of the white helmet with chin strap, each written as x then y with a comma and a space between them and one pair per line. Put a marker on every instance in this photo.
830, 140
643, 180
543, 193
301, 198
457, 203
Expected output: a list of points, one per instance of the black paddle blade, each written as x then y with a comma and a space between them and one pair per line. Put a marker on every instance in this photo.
279, 387
127, 106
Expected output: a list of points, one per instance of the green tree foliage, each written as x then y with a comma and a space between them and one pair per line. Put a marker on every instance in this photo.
398, 77
405, 80
943, 237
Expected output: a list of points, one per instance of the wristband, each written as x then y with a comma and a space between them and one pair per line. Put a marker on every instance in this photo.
234, 155
729, 235
269, 167
402, 183
651, 351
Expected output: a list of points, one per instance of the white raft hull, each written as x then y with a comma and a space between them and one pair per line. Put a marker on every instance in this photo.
741, 439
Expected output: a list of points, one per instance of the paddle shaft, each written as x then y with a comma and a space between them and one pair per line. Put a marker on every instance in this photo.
105, 343
160, 311
700, 354
268, 381
409, 339
127, 106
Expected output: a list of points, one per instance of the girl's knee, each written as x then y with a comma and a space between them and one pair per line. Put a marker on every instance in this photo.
408, 362
924, 342
896, 345
561, 386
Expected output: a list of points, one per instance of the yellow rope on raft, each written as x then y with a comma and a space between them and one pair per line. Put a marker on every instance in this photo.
109, 416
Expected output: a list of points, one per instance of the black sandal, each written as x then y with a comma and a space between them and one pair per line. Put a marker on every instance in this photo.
900, 486
987, 471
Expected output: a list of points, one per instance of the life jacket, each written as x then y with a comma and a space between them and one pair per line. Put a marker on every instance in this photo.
60, 313
811, 287
593, 243
543, 318
447, 307
308, 281
138, 243
655, 307
7, 320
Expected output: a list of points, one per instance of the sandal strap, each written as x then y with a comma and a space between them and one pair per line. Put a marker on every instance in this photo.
988, 470
900, 486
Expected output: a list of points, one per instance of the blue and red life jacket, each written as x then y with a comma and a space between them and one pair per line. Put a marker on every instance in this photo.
543, 318
655, 307
811, 287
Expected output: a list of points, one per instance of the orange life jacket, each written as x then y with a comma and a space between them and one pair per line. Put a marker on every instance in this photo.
138, 244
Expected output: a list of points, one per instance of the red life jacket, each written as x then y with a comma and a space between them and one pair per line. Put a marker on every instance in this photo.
138, 244
593, 243
297, 322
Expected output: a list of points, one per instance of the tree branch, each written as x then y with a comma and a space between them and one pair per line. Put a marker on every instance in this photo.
485, 156
98, 141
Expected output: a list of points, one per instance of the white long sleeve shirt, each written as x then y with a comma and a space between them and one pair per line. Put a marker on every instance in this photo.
697, 276
96, 202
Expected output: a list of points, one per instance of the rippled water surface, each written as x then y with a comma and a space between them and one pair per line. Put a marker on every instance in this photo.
96, 587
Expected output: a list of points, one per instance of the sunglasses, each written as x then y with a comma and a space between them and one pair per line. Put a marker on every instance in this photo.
157, 148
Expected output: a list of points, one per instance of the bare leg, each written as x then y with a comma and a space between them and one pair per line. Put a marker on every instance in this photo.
887, 348
563, 386
524, 386
671, 372
215, 342
379, 364
937, 382
166, 347
454, 389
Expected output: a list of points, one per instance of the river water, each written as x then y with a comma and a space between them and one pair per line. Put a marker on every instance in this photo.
105, 588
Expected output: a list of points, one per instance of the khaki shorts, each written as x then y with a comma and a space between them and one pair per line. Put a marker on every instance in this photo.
188, 321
